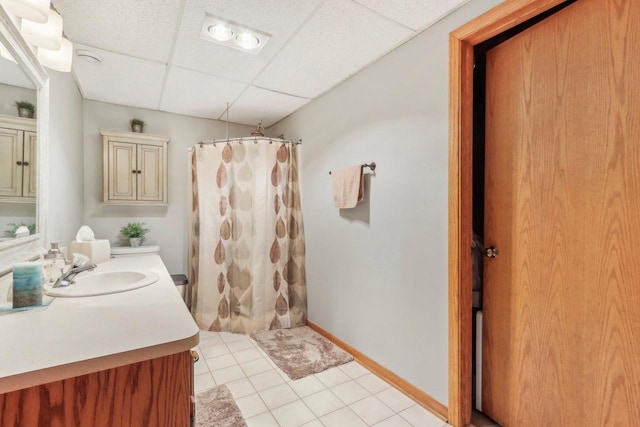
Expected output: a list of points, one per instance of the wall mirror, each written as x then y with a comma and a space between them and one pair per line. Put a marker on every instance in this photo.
23, 143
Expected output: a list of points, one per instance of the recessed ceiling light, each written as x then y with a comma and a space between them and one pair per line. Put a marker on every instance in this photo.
232, 34
247, 41
221, 32
90, 57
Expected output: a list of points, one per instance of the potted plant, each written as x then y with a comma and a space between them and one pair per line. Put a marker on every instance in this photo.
137, 125
11, 232
25, 109
135, 232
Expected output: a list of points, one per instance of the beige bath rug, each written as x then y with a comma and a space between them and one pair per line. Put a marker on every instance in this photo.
217, 408
300, 351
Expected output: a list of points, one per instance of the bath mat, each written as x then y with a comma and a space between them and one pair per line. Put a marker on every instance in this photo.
217, 408
300, 352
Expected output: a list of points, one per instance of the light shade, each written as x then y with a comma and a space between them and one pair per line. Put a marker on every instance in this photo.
48, 35
59, 60
33, 10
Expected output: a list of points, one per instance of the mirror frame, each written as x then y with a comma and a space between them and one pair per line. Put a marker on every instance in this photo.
31, 247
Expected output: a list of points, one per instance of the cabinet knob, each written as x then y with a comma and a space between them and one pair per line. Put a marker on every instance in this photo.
25, 163
19, 163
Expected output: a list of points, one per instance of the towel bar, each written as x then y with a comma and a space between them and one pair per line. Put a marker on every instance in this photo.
371, 166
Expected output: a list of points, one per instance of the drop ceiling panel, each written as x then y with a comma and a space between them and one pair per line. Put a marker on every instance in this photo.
280, 18
257, 104
197, 94
120, 79
138, 28
415, 14
339, 40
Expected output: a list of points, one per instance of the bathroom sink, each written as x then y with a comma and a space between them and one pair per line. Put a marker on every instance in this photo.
108, 282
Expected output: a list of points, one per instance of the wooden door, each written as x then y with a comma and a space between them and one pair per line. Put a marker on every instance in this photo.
561, 340
122, 170
30, 171
151, 177
10, 162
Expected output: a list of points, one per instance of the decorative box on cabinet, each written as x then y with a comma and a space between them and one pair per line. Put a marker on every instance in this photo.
18, 147
134, 168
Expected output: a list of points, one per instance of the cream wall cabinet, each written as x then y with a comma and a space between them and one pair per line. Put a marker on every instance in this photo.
134, 168
18, 168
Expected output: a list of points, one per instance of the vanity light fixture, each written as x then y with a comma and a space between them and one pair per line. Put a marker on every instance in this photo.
231, 34
33, 10
47, 35
60, 59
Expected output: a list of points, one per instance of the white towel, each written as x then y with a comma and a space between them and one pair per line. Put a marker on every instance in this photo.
348, 186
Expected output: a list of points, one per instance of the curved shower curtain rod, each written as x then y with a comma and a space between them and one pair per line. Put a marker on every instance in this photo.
242, 139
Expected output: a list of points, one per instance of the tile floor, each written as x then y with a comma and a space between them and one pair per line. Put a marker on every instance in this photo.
344, 396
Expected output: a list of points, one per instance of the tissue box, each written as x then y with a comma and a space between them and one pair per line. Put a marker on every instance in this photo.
96, 250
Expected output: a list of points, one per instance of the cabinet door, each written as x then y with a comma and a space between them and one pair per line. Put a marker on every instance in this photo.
30, 170
11, 162
151, 176
122, 171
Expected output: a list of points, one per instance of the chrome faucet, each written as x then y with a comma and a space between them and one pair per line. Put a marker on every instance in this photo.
66, 278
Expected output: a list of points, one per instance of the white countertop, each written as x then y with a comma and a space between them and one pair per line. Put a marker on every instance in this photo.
77, 336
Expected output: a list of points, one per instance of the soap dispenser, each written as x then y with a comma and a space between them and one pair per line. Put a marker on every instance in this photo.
53, 263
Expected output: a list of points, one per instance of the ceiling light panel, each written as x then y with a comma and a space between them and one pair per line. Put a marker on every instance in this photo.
142, 29
231, 34
280, 18
415, 14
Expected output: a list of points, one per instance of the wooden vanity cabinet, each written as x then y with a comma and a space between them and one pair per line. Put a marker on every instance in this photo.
18, 171
134, 168
156, 392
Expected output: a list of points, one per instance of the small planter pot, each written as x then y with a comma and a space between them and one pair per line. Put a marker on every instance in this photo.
135, 241
25, 112
137, 128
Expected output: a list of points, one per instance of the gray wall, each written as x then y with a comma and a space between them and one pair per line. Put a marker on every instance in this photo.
10, 94
65, 205
169, 225
377, 274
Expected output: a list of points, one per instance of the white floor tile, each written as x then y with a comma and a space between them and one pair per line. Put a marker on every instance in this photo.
241, 388
256, 366
395, 421
351, 392
220, 362
263, 420
228, 337
251, 405
372, 410
240, 345
332, 377
341, 418
266, 380
200, 367
277, 396
215, 351
372, 383
247, 355
314, 423
227, 375
206, 334
395, 399
293, 414
420, 417
210, 341
284, 376
306, 386
354, 369
203, 382
323, 402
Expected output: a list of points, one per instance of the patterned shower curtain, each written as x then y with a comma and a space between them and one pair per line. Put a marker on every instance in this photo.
247, 243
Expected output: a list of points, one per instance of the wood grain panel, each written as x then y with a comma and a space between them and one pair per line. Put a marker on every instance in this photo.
151, 393
401, 384
561, 302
